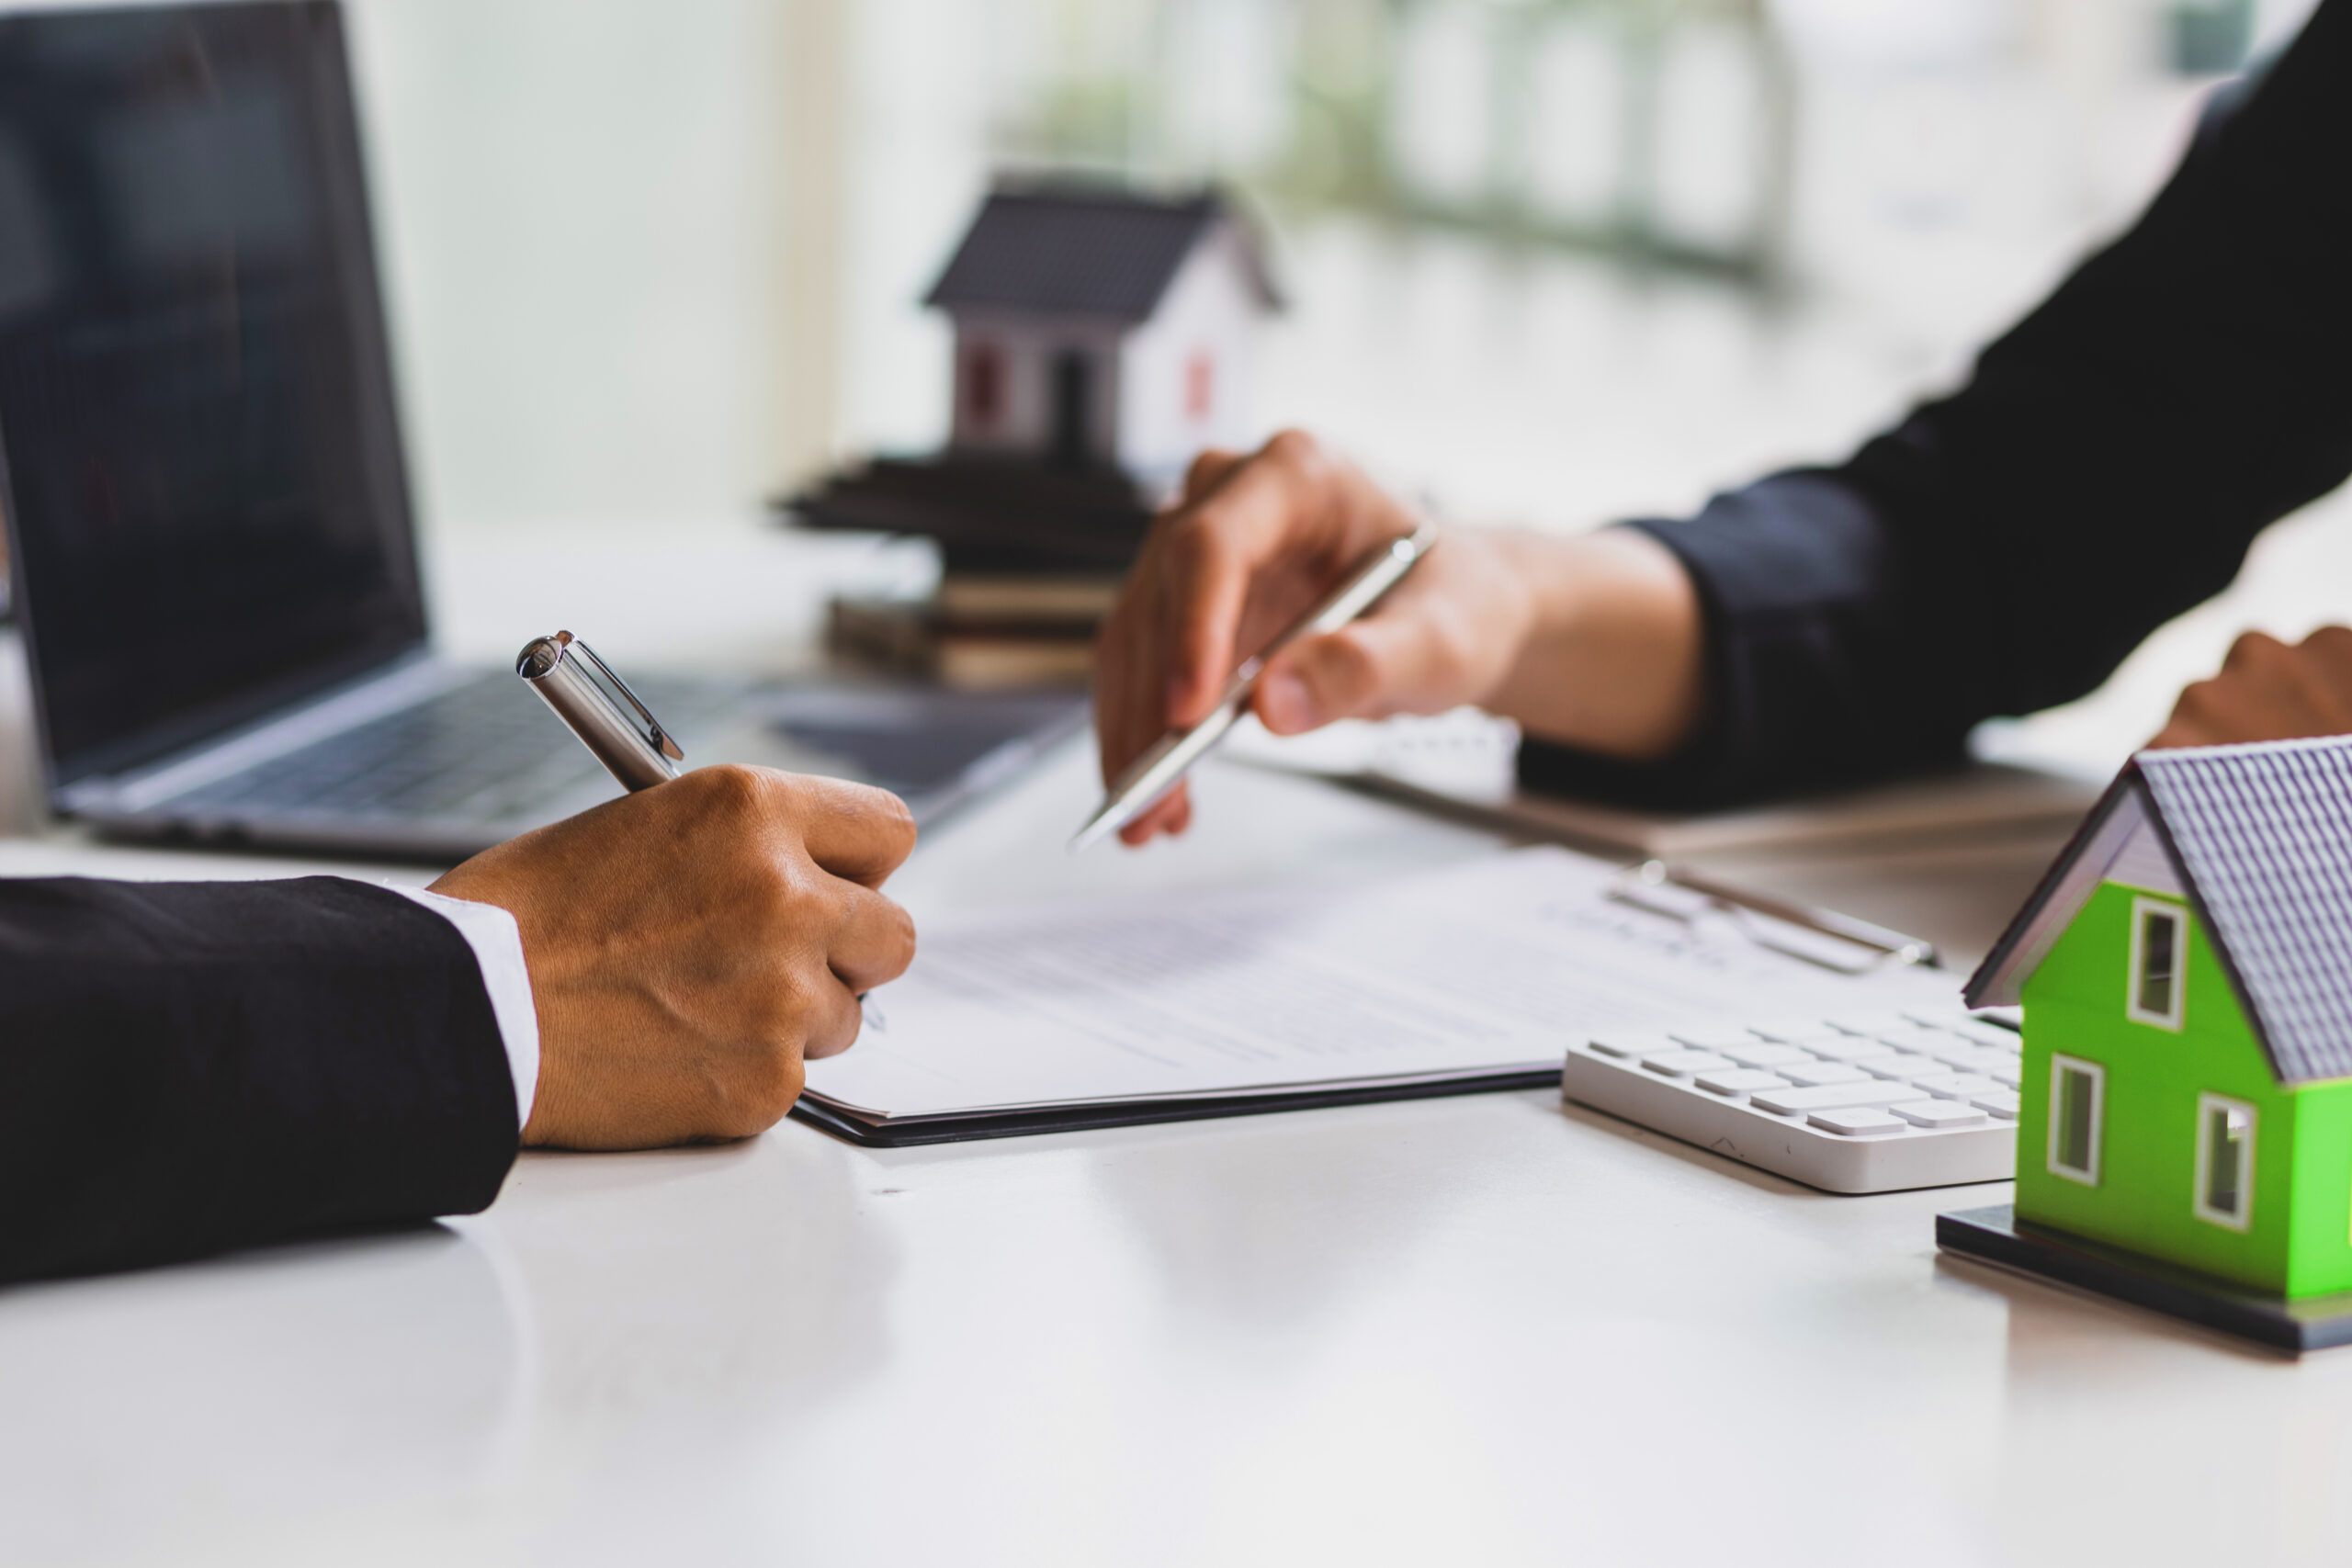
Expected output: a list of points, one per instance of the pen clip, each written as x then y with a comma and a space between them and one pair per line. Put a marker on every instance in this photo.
604, 674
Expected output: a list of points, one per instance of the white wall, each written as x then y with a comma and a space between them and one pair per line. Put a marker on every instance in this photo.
916, 166
583, 205
1209, 309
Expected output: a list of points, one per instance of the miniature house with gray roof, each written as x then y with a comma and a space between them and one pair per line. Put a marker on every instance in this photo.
2186, 972
1099, 329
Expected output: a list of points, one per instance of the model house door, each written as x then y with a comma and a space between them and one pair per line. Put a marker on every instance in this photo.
1073, 394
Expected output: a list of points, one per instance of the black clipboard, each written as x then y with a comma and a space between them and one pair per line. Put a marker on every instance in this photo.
1144, 1112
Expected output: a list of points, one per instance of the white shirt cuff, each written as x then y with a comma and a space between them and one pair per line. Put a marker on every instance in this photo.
497, 943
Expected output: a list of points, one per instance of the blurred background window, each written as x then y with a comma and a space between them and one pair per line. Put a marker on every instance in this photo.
1552, 261
667, 256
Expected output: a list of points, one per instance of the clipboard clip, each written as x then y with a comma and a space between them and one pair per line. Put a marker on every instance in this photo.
1795, 931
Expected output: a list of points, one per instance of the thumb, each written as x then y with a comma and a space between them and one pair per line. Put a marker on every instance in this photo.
1347, 673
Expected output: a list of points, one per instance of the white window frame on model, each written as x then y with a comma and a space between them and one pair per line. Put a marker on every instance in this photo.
2208, 1106
2059, 1067
2170, 1016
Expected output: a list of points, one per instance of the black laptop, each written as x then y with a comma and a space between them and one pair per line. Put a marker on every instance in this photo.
210, 521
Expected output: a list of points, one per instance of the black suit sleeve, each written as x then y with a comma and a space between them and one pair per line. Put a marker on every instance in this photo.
192, 1067
2105, 468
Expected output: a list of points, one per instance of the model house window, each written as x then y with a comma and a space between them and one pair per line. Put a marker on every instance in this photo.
2159, 956
2224, 1161
2078, 1096
1200, 386
984, 385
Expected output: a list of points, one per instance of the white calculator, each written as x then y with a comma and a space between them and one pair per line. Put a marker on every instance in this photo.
1867, 1104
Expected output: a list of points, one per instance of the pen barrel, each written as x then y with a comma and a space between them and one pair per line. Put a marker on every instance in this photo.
608, 733
1154, 773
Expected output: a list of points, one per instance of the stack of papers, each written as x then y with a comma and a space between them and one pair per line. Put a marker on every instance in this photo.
1476, 977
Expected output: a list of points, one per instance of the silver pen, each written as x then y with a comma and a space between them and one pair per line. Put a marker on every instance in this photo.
1154, 772
598, 705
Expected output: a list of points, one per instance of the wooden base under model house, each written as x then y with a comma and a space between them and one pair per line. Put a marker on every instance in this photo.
2186, 972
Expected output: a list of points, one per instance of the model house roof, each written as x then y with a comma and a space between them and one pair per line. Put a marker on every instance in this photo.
2261, 836
1082, 250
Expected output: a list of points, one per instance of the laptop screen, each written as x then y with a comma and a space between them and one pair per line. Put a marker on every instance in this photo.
202, 464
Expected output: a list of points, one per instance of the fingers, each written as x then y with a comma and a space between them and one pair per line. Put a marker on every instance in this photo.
1207, 584
853, 830
1148, 665
871, 945
872, 942
1170, 814
1352, 673
1219, 550
2321, 670
2182, 728
1406, 656
1249, 544
1137, 683
835, 1018
2268, 691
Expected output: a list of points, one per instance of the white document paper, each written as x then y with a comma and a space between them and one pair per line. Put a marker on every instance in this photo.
1480, 969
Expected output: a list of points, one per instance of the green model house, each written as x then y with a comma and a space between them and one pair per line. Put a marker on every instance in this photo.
2186, 971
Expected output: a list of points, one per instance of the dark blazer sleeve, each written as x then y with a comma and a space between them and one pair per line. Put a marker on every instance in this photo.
186, 1067
2105, 467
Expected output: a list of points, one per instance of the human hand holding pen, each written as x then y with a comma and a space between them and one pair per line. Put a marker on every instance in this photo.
1592, 639
694, 944
691, 947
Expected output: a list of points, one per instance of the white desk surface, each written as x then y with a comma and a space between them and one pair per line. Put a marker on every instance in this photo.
1485, 1330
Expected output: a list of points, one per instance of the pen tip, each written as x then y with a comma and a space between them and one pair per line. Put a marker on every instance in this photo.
1101, 823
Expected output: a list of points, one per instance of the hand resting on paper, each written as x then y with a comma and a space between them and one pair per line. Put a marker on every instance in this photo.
1592, 639
690, 945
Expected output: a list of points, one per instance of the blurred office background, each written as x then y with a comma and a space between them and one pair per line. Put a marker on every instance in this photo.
1552, 261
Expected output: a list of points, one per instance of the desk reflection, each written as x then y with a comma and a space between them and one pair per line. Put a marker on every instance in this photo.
237, 1396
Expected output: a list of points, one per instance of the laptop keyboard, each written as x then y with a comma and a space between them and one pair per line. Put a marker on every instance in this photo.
485, 751
1854, 1104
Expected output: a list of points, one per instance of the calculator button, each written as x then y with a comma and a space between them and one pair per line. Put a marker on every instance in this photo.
1762, 1055
1955, 1085
1831, 1097
1889, 1066
1938, 1113
1677, 1063
1788, 1031
1858, 1122
1967, 1026
1809, 1075
1631, 1045
1926, 1042
1972, 1059
1847, 1047
1715, 1037
1869, 1023
1739, 1080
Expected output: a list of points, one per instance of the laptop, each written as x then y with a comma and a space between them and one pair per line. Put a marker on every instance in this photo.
214, 561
